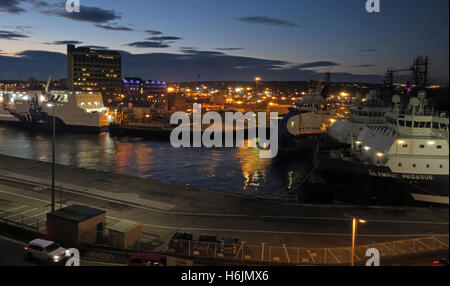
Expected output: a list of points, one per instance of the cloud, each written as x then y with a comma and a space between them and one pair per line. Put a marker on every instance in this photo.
153, 32
212, 65
229, 49
164, 38
114, 27
367, 51
92, 15
38, 64
87, 13
268, 21
364, 66
96, 47
10, 7
148, 44
315, 65
188, 48
63, 43
10, 35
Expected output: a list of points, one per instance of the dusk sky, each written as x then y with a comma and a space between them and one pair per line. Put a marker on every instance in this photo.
228, 40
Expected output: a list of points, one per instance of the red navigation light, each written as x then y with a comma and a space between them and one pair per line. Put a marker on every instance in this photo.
26, 248
436, 262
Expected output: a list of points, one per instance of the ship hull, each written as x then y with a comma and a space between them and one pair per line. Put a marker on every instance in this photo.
37, 119
371, 184
63, 128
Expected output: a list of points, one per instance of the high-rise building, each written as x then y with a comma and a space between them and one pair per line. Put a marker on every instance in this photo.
96, 71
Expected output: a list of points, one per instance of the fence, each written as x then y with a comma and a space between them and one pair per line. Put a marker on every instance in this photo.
313, 256
37, 225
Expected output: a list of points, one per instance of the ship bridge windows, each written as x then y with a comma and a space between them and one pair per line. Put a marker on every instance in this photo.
401, 123
408, 123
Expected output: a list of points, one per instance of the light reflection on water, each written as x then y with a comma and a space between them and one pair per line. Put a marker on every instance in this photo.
229, 169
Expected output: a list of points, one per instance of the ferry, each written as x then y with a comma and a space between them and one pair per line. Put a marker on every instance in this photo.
73, 111
5, 116
405, 161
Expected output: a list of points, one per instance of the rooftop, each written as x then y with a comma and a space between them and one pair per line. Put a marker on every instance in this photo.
124, 226
76, 213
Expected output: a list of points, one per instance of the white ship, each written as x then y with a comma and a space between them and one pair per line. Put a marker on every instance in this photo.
304, 124
406, 159
368, 112
5, 116
74, 111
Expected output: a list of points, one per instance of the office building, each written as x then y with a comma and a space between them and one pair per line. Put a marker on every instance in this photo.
90, 70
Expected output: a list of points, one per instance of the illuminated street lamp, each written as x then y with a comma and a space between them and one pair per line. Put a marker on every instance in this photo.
355, 222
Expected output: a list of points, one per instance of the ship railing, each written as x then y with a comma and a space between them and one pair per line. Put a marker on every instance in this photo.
434, 113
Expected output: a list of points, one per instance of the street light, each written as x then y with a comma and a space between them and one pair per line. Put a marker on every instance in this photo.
355, 225
53, 105
257, 80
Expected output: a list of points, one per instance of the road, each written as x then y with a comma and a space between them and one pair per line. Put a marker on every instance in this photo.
13, 254
252, 221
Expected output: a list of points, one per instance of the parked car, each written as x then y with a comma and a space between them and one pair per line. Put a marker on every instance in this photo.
147, 259
207, 244
46, 250
180, 242
229, 246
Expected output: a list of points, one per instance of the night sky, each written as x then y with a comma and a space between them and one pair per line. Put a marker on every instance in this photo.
228, 40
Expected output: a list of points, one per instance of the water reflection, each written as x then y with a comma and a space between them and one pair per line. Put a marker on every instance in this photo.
229, 169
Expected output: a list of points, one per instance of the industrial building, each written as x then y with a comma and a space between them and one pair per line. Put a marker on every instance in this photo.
76, 224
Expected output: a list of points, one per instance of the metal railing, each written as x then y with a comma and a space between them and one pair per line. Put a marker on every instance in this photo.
284, 254
21, 221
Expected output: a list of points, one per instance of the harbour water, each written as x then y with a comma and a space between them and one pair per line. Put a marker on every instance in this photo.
235, 170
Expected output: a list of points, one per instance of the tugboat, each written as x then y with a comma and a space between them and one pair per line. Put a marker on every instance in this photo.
403, 162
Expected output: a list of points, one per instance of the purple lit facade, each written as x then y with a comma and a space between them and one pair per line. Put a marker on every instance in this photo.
147, 93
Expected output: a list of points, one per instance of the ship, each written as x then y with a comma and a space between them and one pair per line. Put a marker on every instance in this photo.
404, 162
73, 111
305, 124
369, 111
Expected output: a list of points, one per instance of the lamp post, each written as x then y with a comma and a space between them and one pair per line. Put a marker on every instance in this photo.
355, 222
53, 105
258, 79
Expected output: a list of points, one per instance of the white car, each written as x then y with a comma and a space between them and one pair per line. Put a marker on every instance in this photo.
47, 251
